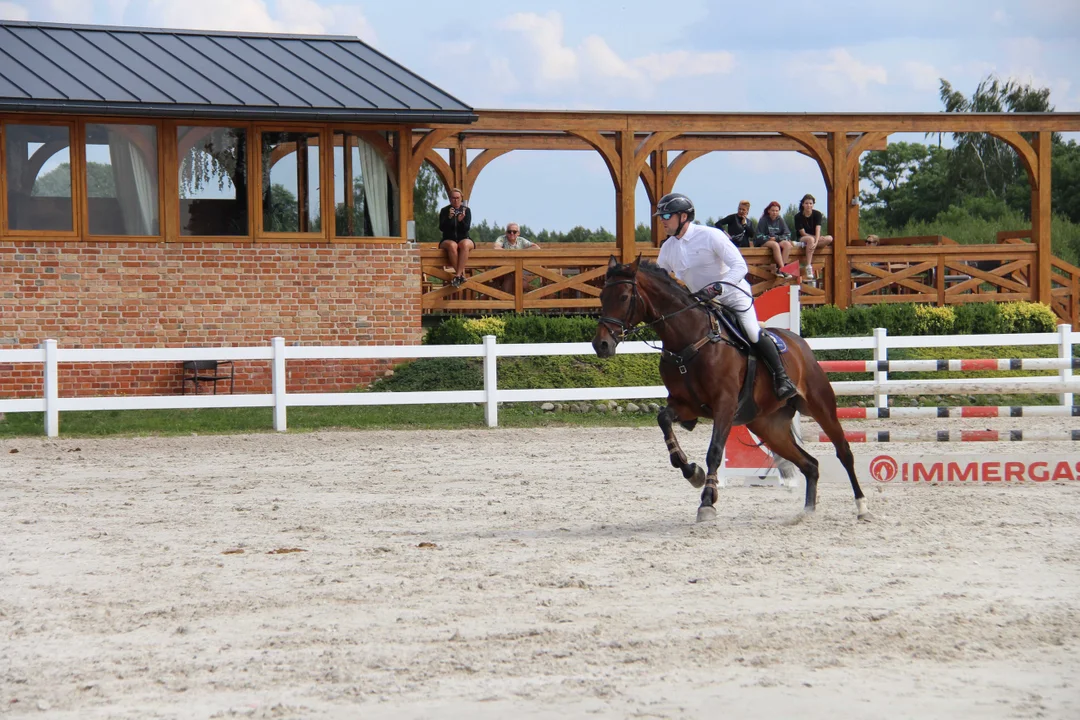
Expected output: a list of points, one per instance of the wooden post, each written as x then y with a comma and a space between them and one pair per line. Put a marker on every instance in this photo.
1040, 217
658, 163
853, 194
838, 211
407, 177
459, 162
624, 196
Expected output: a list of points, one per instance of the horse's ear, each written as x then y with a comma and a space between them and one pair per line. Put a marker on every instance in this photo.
612, 262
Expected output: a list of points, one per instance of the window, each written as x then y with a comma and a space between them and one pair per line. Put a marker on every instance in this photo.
122, 180
213, 180
38, 166
290, 182
365, 184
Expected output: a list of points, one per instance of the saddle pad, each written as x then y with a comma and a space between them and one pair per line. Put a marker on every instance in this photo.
780, 344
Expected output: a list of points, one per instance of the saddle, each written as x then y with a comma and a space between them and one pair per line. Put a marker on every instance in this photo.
725, 327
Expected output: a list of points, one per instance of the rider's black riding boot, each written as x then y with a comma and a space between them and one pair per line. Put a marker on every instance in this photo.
766, 349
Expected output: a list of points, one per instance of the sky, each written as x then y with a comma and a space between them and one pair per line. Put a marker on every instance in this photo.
695, 55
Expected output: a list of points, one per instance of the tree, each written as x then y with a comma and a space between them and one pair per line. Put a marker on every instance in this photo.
428, 195
57, 182
982, 164
909, 181
280, 210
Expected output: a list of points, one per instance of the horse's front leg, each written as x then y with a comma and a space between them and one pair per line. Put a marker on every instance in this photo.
666, 420
713, 458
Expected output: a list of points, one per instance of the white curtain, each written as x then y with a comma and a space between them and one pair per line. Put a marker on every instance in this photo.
136, 186
374, 174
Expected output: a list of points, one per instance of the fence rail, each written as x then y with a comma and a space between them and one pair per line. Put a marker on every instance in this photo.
278, 354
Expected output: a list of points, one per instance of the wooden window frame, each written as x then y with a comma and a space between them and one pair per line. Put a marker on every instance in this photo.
173, 179
325, 191
157, 124
74, 139
398, 168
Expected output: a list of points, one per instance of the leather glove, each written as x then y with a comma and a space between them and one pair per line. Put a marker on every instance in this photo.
710, 291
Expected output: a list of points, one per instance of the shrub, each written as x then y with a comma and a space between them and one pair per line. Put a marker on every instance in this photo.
824, 321
931, 320
451, 331
1027, 317
433, 374
979, 319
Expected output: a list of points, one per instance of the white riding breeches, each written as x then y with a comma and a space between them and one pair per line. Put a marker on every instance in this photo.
741, 304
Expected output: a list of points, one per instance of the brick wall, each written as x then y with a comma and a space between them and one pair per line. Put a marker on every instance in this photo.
104, 295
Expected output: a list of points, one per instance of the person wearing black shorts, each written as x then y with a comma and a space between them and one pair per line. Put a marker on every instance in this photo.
454, 222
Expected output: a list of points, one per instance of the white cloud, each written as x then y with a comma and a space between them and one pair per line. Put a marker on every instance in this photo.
71, 11
554, 66
1000, 17
839, 73
920, 75
289, 16
663, 66
13, 11
542, 38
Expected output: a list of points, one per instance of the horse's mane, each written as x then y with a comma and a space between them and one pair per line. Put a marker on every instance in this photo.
654, 271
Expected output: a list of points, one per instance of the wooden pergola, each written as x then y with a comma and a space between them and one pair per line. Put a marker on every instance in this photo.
657, 147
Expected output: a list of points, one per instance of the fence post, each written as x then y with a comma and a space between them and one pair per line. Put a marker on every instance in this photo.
277, 381
794, 310
491, 381
881, 352
1065, 352
51, 386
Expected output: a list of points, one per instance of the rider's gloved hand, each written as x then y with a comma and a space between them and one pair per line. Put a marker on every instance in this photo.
710, 291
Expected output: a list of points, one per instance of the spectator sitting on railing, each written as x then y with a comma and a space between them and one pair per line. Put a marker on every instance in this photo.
738, 226
808, 231
454, 222
512, 240
773, 234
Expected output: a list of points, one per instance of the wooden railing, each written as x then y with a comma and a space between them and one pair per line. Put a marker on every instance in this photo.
927, 269
563, 276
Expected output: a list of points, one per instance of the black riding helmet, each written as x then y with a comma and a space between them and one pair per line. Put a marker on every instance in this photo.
675, 203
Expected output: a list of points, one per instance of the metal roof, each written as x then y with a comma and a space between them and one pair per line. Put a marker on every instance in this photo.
48, 67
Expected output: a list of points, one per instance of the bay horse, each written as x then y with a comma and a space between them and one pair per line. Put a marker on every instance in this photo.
704, 371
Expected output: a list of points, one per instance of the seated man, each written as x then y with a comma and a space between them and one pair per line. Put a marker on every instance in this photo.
512, 240
808, 231
739, 227
454, 222
773, 233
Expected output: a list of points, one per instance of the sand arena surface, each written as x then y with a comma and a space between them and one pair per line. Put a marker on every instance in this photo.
517, 573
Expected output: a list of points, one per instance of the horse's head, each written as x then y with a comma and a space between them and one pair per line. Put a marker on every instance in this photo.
621, 307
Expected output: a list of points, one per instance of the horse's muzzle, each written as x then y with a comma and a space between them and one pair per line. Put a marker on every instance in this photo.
604, 346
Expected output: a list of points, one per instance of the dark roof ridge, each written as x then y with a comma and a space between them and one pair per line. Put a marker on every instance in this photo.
176, 31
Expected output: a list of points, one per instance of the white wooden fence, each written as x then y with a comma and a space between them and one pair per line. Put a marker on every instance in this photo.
278, 354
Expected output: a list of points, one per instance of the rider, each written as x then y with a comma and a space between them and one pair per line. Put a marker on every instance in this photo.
711, 266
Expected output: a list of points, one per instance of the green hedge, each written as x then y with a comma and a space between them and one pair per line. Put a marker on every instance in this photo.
825, 321
911, 319
518, 329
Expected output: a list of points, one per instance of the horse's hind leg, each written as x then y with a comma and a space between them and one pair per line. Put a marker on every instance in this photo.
823, 410
776, 431
666, 419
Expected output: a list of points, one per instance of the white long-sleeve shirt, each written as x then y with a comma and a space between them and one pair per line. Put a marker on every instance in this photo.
701, 256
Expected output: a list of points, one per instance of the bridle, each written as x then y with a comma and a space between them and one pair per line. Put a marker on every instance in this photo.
625, 329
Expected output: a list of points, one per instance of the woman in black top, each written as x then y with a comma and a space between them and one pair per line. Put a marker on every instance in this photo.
454, 221
808, 231
739, 227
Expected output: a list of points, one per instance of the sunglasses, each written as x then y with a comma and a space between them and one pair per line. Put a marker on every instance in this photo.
666, 216
512, 232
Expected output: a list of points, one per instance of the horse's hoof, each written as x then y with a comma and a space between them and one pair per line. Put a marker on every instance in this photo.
866, 517
706, 513
698, 478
